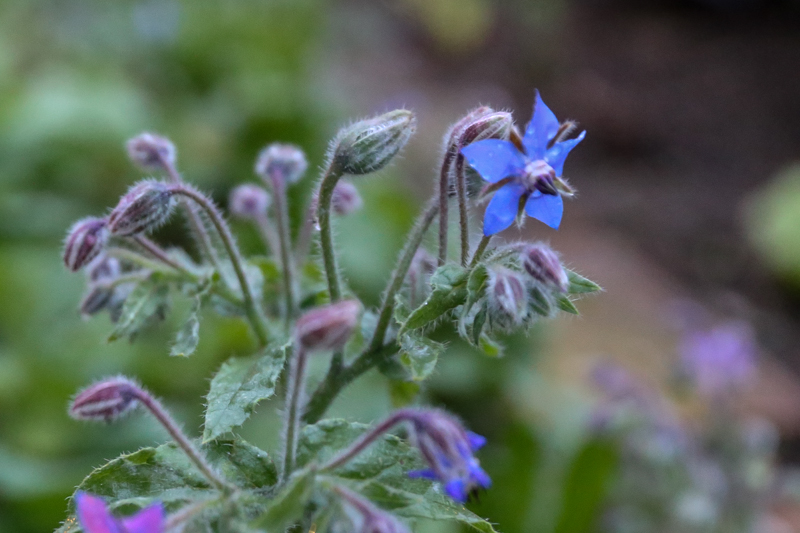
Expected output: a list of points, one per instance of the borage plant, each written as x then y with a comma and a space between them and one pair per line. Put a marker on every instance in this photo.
332, 475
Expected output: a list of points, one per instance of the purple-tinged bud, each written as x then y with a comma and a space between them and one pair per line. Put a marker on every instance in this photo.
543, 264
284, 162
366, 516
328, 327
103, 269
492, 125
94, 516
107, 400
101, 272
151, 152
369, 145
507, 296
345, 199
146, 206
85, 239
249, 202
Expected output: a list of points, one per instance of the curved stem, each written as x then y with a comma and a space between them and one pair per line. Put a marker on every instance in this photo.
253, 313
198, 228
268, 234
365, 440
444, 193
282, 214
399, 274
160, 254
161, 414
294, 397
480, 250
463, 215
325, 237
131, 256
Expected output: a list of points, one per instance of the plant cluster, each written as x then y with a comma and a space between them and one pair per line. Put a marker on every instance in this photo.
330, 474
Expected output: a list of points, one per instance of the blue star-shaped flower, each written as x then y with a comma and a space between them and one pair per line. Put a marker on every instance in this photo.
527, 175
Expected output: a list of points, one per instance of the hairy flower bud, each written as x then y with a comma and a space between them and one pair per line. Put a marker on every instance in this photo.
151, 152
328, 327
507, 296
85, 239
345, 199
146, 206
284, 162
543, 264
106, 400
101, 272
366, 516
249, 201
493, 125
369, 145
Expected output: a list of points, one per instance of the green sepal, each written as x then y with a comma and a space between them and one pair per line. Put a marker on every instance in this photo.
145, 305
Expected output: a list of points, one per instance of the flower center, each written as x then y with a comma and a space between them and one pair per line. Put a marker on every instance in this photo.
538, 175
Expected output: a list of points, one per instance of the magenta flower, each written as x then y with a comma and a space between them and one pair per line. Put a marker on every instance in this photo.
94, 516
528, 176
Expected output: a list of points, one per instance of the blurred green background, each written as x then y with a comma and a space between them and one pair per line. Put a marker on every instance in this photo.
691, 107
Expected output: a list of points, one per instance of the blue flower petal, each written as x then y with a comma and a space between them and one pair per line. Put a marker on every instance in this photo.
93, 514
149, 520
545, 207
479, 476
476, 442
556, 155
502, 209
457, 490
494, 159
542, 127
427, 473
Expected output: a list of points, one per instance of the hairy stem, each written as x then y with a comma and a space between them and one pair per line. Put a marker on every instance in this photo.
365, 440
284, 241
444, 194
328, 184
303, 244
160, 254
463, 215
480, 250
294, 398
268, 234
400, 271
161, 414
254, 314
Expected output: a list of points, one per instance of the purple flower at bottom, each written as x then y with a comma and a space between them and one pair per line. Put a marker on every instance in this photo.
448, 449
94, 517
529, 176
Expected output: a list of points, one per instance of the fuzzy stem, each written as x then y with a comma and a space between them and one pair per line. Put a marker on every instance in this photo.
444, 193
282, 214
366, 439
268, 234
294, 397
333, 384
253, 313
399, 274
198, 228
328, 184
463, 220
303, 243
160, 254
161, 414
136, 258
186, 513
480, 250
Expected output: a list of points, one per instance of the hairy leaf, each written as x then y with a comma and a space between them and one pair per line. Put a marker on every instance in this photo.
449, 290
147, 303
239, 385
287, 506
565, 304
579, 284
189, 335
419, 355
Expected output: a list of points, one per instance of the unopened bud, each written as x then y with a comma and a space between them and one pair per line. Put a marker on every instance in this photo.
249, 201
106, 400
494, 125
543, 264
151, 152
146, 206
345, 199
101, 273
369, 145
85, 239
283, 162
328, 327
507, 296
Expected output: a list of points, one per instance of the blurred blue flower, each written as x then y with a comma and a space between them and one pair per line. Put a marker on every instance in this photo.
448, 449
527, 175
94, 516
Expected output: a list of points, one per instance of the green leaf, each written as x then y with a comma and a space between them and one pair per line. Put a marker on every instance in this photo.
238, 386
449, 291
579, 284
419, 355
135, 480
288, 505
565, 304
476, 285
402, 393
189, 335
380, 472
146, 304
478, 322
538, 303
490, 347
